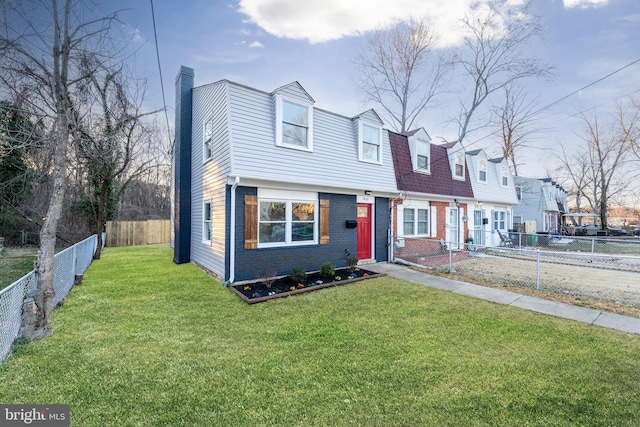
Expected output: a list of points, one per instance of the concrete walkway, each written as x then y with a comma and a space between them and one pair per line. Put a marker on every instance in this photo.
558, 309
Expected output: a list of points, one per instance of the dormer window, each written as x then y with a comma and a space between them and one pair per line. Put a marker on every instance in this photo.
370, 143
505, 176
459, 165
294, 124
482, 170
207, 151
422, 155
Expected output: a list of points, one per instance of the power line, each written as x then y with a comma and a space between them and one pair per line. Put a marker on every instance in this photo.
164, 101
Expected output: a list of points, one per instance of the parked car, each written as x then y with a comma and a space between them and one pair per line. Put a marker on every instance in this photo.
617, 232
636, 232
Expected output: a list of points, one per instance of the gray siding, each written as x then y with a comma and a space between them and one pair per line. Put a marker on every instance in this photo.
209, 179
333, 162
491, 191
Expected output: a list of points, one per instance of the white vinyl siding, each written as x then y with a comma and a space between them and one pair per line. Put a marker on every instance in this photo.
333, 163
209, 179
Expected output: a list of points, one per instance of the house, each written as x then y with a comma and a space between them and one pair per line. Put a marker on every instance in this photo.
541, 205
491, 213
435, 189
268, 181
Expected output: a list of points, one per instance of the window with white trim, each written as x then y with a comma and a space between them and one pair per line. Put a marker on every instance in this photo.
415, 222
206, 222
370, 143
207, 144
459, 165
482, 170
499, 220
283, 222
422, 151
505, 176
519, 192
294, 124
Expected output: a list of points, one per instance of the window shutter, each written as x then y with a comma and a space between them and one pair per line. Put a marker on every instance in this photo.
434, 215
324, 222
250, 222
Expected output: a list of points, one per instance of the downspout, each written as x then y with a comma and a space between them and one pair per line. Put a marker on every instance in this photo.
232, 234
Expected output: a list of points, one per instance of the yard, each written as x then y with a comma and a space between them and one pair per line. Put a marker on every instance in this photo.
15, 263
146, 342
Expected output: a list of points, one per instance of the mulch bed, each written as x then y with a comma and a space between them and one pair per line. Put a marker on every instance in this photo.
258, 291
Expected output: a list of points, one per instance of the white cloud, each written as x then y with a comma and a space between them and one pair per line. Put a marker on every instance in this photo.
256, 44
584, 3
326, 20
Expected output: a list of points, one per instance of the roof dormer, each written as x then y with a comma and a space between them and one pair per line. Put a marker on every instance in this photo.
368, 130
420, 148
293, 117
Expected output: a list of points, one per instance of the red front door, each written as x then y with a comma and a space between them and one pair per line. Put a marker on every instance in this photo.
364, 231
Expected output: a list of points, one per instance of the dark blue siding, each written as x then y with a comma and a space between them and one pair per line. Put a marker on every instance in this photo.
182, 167
250, 262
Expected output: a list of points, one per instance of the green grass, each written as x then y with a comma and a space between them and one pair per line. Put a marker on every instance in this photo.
15, 263
145, 342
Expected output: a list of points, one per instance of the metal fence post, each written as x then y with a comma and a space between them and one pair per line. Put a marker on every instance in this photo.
450, 259
537, 268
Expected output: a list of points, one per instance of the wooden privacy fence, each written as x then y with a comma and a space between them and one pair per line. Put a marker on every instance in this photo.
133, 233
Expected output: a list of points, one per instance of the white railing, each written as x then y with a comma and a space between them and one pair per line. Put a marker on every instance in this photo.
67, 264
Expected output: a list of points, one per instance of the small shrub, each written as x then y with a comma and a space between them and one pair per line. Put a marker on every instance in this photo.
327, 270
268, 276
351, 262
298, 275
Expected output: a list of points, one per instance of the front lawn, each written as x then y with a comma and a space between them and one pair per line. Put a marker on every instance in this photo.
145, 342
15, 263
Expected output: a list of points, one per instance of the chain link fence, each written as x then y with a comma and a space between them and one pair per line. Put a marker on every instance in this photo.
67, 264
598, 267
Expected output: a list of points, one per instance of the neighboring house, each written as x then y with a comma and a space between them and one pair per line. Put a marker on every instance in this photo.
265, 180
495, 197
541, 205
435, 191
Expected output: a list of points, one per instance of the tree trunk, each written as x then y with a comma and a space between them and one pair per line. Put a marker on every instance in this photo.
100, 215
36, 321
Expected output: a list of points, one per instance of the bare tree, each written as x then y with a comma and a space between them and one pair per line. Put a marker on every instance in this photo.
495, 56
576, 166
400, 71
112, 141
39, 63
516, 118
601, 166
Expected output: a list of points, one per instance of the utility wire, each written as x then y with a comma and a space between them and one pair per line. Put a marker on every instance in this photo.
164, 101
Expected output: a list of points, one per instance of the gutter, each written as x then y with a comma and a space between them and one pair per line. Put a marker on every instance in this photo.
232, 234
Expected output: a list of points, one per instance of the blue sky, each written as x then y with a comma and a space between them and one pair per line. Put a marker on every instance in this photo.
268, 43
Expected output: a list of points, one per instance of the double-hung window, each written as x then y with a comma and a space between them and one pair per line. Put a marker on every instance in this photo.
294, 126
207, 150
459, 165
482, 170
284, 221
206, 223
370, 143
422, 155
415, 221
499, 220
505, 176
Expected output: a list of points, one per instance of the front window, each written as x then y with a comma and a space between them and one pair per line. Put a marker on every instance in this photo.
370, 143
206, 223
207, 140
294, 124
499, 220
287, 222
459, 165
415, 222
482, 171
